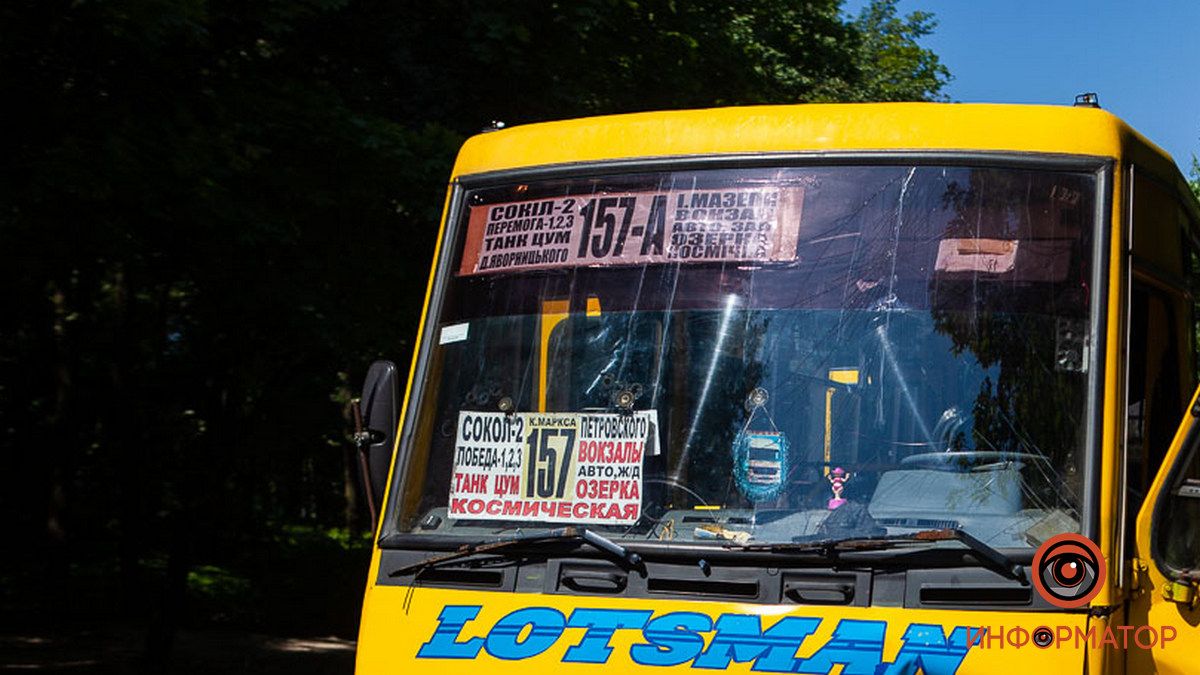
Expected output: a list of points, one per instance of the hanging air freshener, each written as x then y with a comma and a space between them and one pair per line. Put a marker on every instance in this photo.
760, 457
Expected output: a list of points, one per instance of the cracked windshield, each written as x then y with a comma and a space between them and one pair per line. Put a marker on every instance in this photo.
763, 355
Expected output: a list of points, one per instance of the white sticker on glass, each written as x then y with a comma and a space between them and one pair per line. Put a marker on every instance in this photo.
454, 333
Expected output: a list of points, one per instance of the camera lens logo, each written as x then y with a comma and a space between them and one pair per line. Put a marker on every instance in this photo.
1068, 569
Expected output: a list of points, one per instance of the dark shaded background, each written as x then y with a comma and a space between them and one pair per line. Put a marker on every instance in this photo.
215, 214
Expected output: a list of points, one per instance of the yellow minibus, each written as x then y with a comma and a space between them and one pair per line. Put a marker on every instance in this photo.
867, 388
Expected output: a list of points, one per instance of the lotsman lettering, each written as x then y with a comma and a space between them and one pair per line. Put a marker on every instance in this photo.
677, 638
740, 637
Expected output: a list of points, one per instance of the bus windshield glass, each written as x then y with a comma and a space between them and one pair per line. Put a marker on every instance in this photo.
759, 355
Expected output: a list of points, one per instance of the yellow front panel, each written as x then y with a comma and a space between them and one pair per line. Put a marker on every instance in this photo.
400, 635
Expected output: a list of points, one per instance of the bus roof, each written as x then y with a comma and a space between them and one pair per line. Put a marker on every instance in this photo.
813, 128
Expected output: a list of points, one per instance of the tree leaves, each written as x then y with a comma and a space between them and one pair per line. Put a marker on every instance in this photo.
215, 210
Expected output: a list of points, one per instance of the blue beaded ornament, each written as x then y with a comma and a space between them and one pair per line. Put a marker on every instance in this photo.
760, 458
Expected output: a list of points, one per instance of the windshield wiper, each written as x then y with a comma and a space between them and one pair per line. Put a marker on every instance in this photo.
829, 548
583, 534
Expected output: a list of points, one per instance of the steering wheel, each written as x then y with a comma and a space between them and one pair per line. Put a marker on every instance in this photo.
956, 459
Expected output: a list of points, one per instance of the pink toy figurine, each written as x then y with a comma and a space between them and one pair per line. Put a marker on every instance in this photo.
837, 482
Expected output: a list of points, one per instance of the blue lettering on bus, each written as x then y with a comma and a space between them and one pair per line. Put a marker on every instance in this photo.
545, 626
671, 639
601, 624
857, 645
677, 638
926, 647
740, 638
444, 644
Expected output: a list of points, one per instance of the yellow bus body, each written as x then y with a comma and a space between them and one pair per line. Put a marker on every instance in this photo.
397, 620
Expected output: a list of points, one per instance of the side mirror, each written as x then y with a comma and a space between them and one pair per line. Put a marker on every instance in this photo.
375, 434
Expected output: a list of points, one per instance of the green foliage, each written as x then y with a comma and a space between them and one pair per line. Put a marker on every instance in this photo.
212, 582
891, 65
1195, 181
216, 214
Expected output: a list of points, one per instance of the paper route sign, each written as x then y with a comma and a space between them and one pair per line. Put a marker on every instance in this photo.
551, 467
744, 224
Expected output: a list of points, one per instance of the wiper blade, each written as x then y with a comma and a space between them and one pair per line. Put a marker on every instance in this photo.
583, 534
991, 555
829, 548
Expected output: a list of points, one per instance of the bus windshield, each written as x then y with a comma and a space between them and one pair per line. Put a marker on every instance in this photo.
771, 355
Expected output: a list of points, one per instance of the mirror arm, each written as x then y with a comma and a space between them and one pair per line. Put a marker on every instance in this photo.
362, 442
